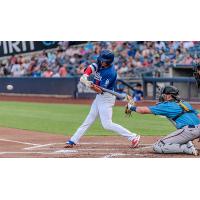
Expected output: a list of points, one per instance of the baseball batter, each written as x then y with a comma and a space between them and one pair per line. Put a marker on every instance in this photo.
105, 76
185, 118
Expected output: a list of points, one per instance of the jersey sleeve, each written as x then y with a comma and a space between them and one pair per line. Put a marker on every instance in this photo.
159, 109
91, 69
94, 67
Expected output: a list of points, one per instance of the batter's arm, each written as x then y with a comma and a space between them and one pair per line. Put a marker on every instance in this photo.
84, 78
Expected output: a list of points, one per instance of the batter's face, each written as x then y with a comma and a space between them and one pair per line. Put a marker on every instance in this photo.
104, 64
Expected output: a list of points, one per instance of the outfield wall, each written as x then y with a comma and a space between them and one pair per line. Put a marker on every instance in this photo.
70, 86
46, 86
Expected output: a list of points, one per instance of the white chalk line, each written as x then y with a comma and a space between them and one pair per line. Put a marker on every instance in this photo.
87, 143
134, 155
114, 149
99, 149
40, 146
38, 152
95, 151
21, 152
19, 142
101, 143
51, 153
92, 150
112, 155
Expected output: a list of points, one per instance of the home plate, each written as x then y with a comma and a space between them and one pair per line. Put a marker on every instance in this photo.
66, 151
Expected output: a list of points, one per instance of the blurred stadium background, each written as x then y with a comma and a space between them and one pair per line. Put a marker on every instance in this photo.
54, 67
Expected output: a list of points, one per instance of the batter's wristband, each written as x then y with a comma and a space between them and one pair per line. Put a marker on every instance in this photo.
133, 108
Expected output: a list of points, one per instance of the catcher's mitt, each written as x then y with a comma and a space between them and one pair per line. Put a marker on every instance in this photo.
128, 111
96, 88
131, 102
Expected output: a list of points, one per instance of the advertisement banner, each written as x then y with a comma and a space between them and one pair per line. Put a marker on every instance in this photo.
8, 48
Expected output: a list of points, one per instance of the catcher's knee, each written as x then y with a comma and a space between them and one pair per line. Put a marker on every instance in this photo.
157, 147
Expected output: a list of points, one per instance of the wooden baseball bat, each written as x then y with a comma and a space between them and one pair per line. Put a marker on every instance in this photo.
118, 95
123, 96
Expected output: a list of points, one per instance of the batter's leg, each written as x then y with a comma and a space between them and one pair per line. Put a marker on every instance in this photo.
93, 114
105, 114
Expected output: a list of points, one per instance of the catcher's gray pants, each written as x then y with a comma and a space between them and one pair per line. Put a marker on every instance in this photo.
179, 141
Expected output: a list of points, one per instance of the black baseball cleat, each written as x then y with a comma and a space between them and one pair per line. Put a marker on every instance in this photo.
69, 144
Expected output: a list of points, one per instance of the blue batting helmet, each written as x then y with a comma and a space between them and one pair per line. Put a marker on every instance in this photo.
106, 56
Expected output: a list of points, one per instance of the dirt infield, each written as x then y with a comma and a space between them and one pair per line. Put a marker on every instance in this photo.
16, 143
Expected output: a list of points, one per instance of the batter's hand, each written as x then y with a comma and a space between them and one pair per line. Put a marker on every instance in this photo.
96, 88
85, 81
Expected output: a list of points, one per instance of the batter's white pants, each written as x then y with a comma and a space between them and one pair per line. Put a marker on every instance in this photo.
102, 107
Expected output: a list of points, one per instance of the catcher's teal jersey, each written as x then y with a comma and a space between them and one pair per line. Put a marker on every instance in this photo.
172, 109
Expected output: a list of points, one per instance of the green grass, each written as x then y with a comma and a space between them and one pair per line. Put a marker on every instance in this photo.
65, 119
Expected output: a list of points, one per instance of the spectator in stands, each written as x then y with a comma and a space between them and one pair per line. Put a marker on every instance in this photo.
133, 58
187, 60
16, 69
63, 70
188, 44
80, 69
123, 70
171, 55
157, 61
146, 63
120, 88
138, 92
35, 71
160, 46
179, 56
12, 60
47, 73
2, 66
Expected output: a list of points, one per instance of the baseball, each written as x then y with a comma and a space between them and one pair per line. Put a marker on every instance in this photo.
9, 87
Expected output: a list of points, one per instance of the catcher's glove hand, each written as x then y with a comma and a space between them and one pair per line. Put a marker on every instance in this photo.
96, 88
127, 110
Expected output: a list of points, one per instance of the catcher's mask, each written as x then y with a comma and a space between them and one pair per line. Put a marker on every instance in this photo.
197, 74
173, 91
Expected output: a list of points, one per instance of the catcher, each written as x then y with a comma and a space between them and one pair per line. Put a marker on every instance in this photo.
181, 113
105, 76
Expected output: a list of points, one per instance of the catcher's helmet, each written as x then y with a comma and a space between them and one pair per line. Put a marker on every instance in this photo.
169, 89
106, 56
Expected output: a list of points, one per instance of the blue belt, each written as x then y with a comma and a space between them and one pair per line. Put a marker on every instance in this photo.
191, 126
